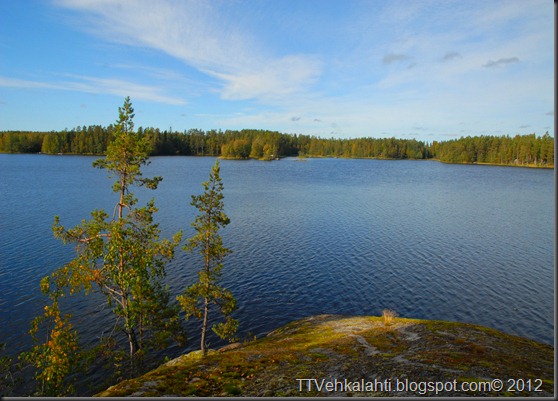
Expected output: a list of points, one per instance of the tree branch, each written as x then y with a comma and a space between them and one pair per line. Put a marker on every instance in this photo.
89, 239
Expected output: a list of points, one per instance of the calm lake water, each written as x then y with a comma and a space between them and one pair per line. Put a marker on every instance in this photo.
428, 240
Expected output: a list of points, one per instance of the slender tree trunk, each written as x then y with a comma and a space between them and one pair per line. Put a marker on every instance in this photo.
206, 298
122, 193
131, 341
129, 330
204, 325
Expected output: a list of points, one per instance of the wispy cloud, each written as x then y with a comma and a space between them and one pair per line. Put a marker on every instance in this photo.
8, 82
550, 113
98, 86
371, 67
122, 88
203, 37
158, 73
501, 61
272, 80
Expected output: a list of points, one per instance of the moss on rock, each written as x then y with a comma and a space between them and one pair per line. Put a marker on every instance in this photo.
332, 347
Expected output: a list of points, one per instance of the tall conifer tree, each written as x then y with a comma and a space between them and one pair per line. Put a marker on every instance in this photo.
198, 298
120, 257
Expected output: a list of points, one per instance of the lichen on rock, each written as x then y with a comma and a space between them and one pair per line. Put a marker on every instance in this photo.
356, 349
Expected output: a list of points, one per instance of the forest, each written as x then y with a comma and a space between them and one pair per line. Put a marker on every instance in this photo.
523, 150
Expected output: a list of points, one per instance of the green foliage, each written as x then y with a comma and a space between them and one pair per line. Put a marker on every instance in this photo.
126, 153
530, 149
21, 142
7, 380
197, 298
58, 356
237, 149
521, 150
120, 257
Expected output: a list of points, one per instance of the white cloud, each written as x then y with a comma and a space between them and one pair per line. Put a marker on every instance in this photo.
26, 84
122, 88
364, 81
97, 85
198, 34
278, 79
163, 74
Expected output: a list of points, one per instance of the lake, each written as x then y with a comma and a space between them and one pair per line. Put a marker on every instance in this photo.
343, 236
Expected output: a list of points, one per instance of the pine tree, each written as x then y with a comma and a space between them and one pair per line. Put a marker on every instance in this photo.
198, 298
120, 257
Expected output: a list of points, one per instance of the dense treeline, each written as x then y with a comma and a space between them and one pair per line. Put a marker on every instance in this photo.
529, 150
87, 140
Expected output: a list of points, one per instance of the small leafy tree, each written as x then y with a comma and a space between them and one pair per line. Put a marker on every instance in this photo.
197, 299
7, 380
120, 257
58, 356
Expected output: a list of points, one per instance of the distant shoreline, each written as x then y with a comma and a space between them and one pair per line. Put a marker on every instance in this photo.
549, 167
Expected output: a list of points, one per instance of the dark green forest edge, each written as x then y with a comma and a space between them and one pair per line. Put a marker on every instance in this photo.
521, 150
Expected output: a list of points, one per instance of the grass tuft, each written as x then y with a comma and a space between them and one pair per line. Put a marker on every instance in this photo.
388, 316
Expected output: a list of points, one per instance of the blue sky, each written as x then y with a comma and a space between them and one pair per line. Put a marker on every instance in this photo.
430, 70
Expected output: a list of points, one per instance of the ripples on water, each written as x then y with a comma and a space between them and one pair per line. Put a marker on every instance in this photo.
429, 240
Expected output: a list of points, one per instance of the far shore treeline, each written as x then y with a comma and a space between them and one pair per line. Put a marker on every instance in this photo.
523, 150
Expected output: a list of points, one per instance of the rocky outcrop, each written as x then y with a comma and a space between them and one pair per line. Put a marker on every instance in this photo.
359, 355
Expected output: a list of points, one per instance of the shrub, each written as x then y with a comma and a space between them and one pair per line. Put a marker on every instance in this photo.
388, 316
